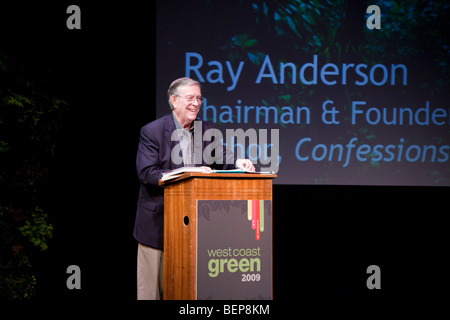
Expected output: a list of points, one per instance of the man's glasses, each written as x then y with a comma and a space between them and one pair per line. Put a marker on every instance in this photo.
192, 98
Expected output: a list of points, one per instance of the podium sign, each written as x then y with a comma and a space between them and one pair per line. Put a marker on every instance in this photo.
234, 249
218, 236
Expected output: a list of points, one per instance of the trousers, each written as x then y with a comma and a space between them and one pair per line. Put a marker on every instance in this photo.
149, 273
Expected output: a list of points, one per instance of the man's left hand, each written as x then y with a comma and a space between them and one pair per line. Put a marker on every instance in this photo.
245, 164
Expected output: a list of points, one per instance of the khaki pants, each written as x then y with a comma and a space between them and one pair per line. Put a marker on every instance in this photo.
149, 273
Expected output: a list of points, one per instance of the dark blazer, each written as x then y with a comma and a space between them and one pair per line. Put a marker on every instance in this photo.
153, 159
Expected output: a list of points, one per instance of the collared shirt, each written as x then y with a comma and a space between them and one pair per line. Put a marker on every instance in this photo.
186, 142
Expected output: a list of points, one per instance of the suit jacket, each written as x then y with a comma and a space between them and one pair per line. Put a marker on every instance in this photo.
153, 159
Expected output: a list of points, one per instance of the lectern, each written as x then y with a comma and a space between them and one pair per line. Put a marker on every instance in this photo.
218, 236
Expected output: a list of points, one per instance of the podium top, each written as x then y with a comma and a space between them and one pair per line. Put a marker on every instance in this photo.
191, 175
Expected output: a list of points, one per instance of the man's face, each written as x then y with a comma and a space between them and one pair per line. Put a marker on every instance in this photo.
186, 104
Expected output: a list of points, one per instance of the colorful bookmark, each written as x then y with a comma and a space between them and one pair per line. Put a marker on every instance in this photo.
249, 209
261, 215
258, 225
255, 213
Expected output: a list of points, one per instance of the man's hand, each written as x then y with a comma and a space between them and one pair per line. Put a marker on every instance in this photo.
245, 164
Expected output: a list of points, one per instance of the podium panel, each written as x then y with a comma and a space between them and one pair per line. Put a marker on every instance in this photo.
208, 219
234, 249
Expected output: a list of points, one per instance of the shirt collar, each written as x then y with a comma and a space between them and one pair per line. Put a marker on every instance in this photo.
178, 125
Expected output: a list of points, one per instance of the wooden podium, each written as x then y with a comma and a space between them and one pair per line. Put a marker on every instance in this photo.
182, 196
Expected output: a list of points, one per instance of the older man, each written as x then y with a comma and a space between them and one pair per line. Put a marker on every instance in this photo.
154, 157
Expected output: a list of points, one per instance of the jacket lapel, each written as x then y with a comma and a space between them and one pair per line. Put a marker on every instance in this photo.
169, 128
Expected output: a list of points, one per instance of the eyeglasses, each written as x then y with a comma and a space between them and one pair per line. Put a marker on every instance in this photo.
192, 98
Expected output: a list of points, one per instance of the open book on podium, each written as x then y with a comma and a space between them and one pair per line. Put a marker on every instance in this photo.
178, 172
217, 235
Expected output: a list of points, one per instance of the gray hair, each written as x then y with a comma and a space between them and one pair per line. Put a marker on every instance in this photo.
180, 82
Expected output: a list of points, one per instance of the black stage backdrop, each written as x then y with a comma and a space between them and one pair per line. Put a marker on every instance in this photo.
325, 236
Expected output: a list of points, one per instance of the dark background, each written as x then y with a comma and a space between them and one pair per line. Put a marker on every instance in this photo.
325, 237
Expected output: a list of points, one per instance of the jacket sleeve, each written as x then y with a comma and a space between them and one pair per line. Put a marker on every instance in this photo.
148, 162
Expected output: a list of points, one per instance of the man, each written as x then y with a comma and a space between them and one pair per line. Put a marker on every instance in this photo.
153, 159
